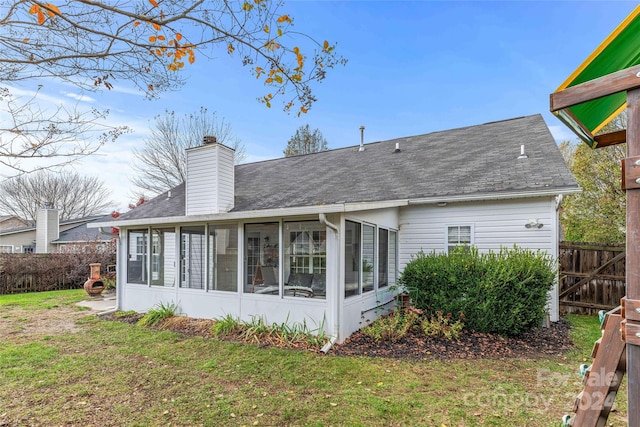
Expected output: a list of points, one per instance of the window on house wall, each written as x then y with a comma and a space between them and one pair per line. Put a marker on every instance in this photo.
305, 259
28, 249
383, 258
262, 246
137, 256
459, 235
368, 251
223, 257
6, 249
192, 260
393, 257
163, 257
352, 262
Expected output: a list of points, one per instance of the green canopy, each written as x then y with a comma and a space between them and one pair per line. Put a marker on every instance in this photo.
620, 50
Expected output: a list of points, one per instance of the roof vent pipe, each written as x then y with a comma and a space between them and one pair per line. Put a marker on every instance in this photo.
397, 150
522, 155
361, 139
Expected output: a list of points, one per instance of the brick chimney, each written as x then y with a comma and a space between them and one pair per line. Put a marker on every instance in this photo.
210, 178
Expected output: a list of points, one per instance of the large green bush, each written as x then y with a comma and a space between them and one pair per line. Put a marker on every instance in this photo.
503, 292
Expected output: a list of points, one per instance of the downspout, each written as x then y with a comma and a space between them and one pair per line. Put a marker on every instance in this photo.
334, 336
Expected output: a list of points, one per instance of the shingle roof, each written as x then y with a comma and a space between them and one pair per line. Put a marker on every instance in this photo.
63, 222
466, 161
81, 233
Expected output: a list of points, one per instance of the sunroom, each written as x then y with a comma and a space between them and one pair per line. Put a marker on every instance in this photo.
299, 269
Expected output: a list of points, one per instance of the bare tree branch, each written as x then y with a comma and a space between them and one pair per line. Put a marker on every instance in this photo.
97, 45
161, 162
74, 195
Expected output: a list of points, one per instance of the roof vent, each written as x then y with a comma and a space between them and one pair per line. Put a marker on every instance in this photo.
361, 139
522, 155
209, 139
397, 150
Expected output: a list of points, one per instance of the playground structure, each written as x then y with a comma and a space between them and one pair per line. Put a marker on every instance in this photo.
606, 83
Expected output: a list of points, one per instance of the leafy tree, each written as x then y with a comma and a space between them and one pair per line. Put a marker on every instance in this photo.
97, 44
305, 142
597, 214
74, 195
161, 163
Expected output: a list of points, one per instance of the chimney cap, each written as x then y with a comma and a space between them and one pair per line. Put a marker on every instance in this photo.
209, 139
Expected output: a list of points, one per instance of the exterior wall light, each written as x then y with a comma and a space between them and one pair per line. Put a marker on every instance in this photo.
533, 223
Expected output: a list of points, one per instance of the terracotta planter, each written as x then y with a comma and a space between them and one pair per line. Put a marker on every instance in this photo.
403, 301
94, 285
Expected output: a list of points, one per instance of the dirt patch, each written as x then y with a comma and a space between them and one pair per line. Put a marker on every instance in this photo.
18, 322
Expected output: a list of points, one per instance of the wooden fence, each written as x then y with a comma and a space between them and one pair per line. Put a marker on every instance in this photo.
33, 282
591, 277
47, 272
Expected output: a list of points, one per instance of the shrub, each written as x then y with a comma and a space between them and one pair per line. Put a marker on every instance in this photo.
443, 326
393, 326
504, 292
46, 272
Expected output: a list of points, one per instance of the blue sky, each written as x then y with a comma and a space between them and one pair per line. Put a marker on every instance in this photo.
414, 67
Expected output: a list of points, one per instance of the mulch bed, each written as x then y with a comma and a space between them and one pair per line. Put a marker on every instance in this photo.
540, 342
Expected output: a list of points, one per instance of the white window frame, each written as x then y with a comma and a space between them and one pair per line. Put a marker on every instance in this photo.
459, 225
9, 251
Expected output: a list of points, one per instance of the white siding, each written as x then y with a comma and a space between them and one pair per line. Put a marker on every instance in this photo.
494, 224
210, 179
47, 230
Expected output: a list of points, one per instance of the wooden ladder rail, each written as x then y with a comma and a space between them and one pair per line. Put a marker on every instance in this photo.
603, 378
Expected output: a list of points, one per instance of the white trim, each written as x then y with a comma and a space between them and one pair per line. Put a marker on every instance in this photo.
494, 196
335, 208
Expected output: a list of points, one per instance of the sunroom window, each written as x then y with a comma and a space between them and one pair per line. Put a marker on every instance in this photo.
137, 256
383, 258
192, 261
393, 256
262, 258
352, 258
368, 250
305, 269
223, 258
163, 257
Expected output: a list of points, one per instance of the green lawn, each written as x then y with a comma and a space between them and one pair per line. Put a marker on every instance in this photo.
116, 374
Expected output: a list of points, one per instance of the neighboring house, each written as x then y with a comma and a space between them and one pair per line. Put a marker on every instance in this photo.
11, 221
51, 235
321, 238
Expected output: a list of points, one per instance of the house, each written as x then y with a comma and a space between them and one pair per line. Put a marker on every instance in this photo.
321, 238
49, 234
11, 221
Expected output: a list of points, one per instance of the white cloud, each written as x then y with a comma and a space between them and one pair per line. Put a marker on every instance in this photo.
78, 97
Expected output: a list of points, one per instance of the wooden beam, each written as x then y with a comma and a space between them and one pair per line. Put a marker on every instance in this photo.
619, 81
611, 138
596, 277
592, 246
633, 255
592, 305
